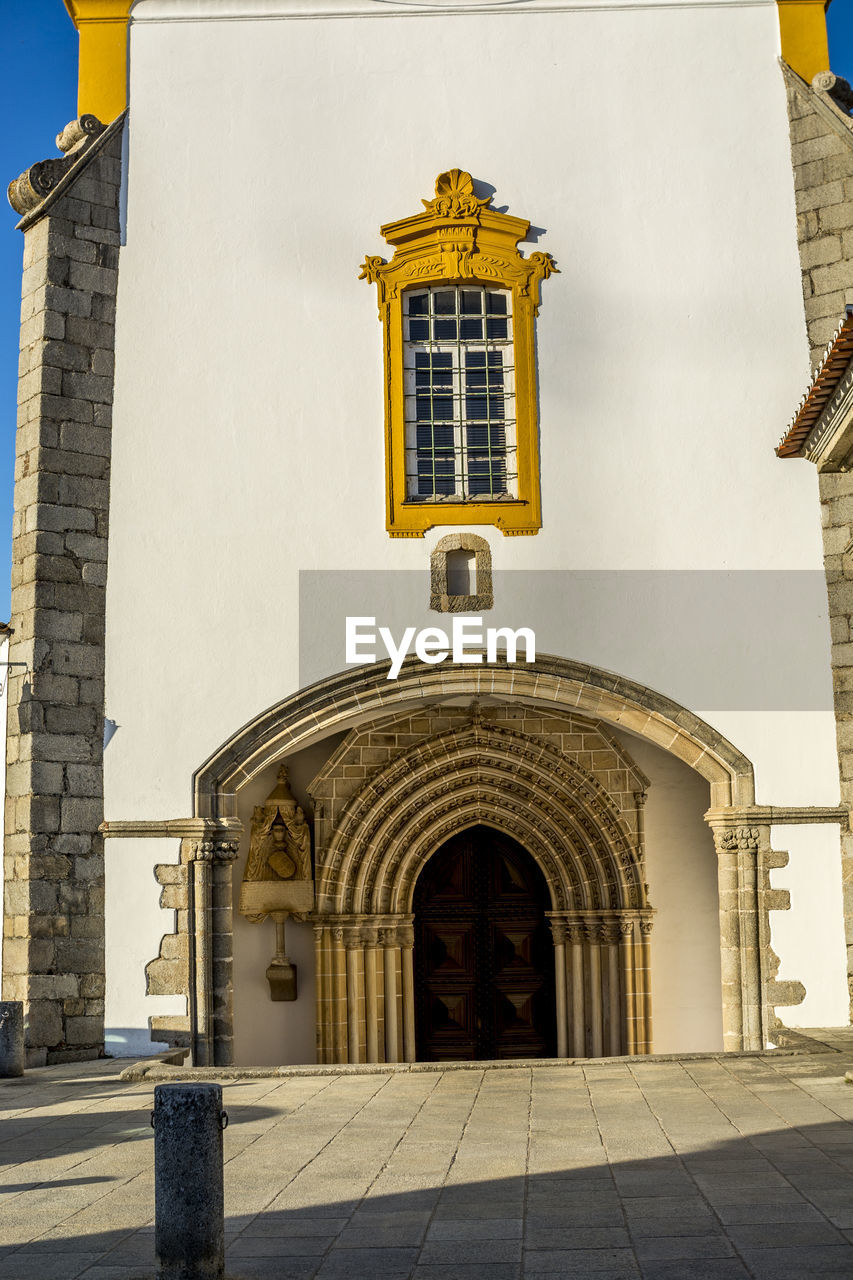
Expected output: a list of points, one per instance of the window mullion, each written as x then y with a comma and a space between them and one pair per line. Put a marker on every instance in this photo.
461, 485
463, 372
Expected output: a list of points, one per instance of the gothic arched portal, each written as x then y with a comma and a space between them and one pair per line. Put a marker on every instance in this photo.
600, 917
530, 795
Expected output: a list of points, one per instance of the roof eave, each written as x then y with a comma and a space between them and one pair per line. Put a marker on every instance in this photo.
822, 428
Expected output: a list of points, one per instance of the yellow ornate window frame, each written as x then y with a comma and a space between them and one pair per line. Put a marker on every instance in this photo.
460, 238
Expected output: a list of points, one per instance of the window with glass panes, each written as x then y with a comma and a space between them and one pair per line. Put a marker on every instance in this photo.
459, 393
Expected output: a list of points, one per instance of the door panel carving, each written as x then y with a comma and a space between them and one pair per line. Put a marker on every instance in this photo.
483, 954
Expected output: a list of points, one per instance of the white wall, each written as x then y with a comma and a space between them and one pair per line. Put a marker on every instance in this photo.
649, 145
135, 923
809, 939
681, 865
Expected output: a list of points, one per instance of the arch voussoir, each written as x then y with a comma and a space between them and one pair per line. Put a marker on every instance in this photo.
494, 775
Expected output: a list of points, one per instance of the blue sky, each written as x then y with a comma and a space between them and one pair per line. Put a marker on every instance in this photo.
38, 72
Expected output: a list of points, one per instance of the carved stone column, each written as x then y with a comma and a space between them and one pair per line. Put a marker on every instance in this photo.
224, 854
592, 932
352, 945
388, 941
739, 881
338, 1003
640, 798
370, 936
406, 938
629, 1023
558, 932
211, 950
575, 936
610, 938
645, 953
323, 991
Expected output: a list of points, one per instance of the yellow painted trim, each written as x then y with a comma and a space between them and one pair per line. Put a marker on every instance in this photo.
102, 75
460, 238
802, 27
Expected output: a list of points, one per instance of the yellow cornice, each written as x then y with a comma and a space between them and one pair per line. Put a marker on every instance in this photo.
102, 78
802, 27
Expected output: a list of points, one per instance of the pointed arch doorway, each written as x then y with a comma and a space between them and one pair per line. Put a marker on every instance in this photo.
484, 959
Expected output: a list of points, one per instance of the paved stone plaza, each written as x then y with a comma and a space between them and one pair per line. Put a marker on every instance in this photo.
699, 1169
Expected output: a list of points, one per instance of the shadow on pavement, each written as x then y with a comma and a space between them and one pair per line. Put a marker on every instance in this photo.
777, 1205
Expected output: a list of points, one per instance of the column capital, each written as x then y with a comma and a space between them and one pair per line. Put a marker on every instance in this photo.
559, 930
209, 850
737, 838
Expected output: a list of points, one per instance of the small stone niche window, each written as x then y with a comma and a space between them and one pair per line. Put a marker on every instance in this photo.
461, 574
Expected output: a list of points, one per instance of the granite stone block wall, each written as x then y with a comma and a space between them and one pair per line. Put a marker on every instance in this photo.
822, 155
53, 953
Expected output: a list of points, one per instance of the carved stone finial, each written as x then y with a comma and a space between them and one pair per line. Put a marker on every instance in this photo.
836, 87
77, 132
454, 196
28, 190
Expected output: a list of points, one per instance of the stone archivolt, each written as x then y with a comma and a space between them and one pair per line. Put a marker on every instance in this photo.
371, 849
480, 774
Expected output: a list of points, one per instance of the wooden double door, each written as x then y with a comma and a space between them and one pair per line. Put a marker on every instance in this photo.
484, 959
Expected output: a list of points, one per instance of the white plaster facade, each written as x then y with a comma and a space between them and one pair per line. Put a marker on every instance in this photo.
266, 144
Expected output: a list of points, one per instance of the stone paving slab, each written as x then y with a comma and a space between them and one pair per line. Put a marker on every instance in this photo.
715, 1168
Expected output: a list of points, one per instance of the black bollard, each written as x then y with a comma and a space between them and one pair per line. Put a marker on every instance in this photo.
189, 1207
11, 1038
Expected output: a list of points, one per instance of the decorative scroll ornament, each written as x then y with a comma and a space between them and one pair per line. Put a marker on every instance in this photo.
34, 184
454, 196
458, 237
278, 874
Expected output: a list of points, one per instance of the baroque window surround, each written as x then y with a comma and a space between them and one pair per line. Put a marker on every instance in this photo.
459, 239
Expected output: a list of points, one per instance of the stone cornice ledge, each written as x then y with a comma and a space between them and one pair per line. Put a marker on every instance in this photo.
173, 829
254, 10
757, 815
